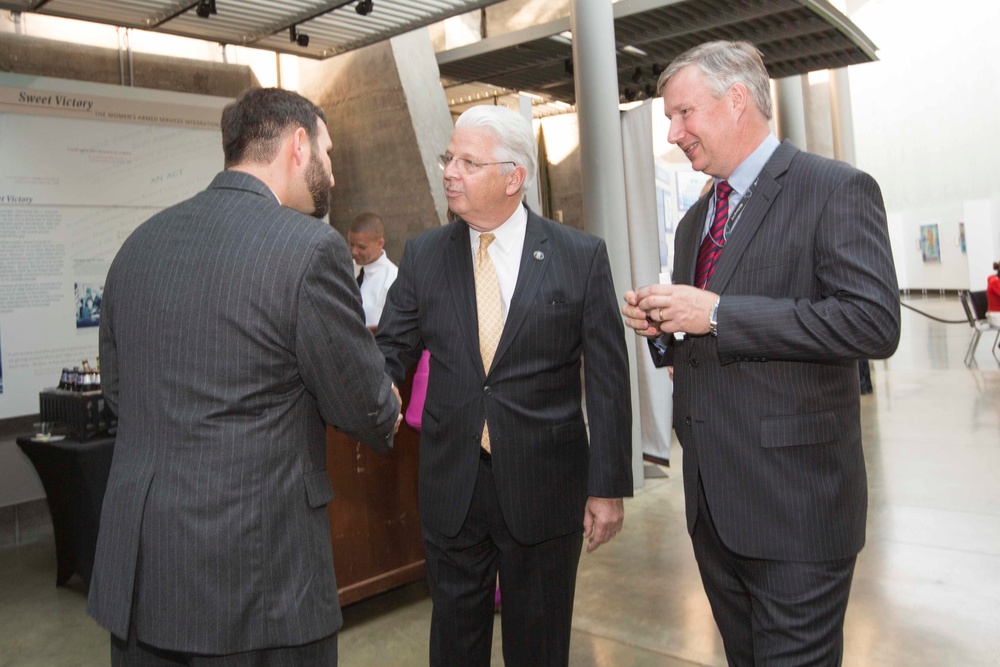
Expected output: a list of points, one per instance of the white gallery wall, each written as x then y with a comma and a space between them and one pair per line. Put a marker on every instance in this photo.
926, 126
81, 165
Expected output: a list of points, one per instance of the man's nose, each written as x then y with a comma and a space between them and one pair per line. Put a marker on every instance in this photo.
451, 171
676, 132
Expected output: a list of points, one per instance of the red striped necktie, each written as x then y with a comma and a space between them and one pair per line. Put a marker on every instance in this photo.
711, 245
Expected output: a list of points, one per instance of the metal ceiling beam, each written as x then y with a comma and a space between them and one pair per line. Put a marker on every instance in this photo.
242, 25
796, 35
281, 26
844, 25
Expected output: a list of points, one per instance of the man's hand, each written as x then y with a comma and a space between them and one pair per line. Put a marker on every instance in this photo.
602, 520
399, 402
669, 309
638, 319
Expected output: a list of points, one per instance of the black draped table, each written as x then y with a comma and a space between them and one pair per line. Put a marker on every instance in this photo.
75, 476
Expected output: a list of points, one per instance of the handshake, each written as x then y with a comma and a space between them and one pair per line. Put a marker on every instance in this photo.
399, 402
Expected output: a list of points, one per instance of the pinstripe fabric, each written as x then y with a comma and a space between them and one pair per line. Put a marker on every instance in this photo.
231, 329
563, 309
773, 612
768, 412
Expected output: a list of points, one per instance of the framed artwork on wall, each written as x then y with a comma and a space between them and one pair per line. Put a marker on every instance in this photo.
930, 243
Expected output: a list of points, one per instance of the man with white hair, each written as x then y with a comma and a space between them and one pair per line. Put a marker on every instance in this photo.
509, 303
783, 279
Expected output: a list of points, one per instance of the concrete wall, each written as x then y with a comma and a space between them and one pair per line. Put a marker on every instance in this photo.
519, 14
389, 120
47, 57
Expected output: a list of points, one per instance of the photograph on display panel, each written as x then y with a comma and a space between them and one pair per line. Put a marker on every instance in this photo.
88, 304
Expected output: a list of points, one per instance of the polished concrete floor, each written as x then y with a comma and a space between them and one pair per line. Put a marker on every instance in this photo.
926, 591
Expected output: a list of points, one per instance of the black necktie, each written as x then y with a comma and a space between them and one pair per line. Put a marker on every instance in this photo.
361, 276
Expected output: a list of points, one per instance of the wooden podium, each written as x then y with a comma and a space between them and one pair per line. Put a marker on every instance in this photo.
374, 522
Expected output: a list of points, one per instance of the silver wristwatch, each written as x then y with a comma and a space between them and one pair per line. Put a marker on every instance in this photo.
713, 318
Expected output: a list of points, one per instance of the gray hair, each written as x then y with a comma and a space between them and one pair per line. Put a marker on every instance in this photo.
515, 137
725, 63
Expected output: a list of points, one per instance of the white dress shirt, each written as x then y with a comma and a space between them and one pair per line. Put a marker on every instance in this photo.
505, 251
379, 276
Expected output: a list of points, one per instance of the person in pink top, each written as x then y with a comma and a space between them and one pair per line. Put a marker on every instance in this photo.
993, 296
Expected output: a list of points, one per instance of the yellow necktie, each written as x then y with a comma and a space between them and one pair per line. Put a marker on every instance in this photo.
490, 310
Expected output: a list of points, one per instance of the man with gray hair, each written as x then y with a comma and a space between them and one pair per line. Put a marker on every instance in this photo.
783, 279
509, 304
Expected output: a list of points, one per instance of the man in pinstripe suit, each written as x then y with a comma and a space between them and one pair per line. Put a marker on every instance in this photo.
231, 331
783, 278
522, 506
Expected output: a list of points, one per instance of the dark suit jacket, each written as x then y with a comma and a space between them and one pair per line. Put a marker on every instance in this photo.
231, 329
768, 412
563, 307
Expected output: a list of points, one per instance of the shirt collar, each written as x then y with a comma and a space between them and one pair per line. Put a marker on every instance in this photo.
744, 175
377, 265
508, 235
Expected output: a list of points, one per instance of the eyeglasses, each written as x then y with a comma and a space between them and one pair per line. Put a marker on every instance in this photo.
465, 167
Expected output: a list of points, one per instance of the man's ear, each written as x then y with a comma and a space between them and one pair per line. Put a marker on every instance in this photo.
514, 180
299, 146
739, 97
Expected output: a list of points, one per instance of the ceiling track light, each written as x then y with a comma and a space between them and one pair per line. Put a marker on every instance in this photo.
364, 7
299, 38
205, 8
637, 75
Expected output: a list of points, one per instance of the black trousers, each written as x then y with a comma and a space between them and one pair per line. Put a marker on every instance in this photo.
772, 613
133, 653
537, 582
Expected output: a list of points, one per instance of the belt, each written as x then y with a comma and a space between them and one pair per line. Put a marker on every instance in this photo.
485, 455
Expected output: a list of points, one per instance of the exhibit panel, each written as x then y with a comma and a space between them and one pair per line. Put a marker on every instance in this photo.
82, 166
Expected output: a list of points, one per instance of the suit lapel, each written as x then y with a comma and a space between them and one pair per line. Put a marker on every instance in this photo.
535, 259
762, 197
461, 285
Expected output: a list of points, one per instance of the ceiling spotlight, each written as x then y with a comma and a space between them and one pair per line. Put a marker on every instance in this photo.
657, 69
300, 38
637, 75
205, 8
364, 7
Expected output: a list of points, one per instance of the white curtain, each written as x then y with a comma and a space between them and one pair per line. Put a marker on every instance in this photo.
655, 408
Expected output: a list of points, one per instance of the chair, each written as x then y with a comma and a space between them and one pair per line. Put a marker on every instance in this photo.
974, 304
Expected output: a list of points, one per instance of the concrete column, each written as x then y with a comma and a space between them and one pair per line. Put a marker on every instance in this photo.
791, 111
595, 76
533, 196
389, 120
840, 113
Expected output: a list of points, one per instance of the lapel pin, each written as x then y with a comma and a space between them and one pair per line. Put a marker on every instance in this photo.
539, 255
